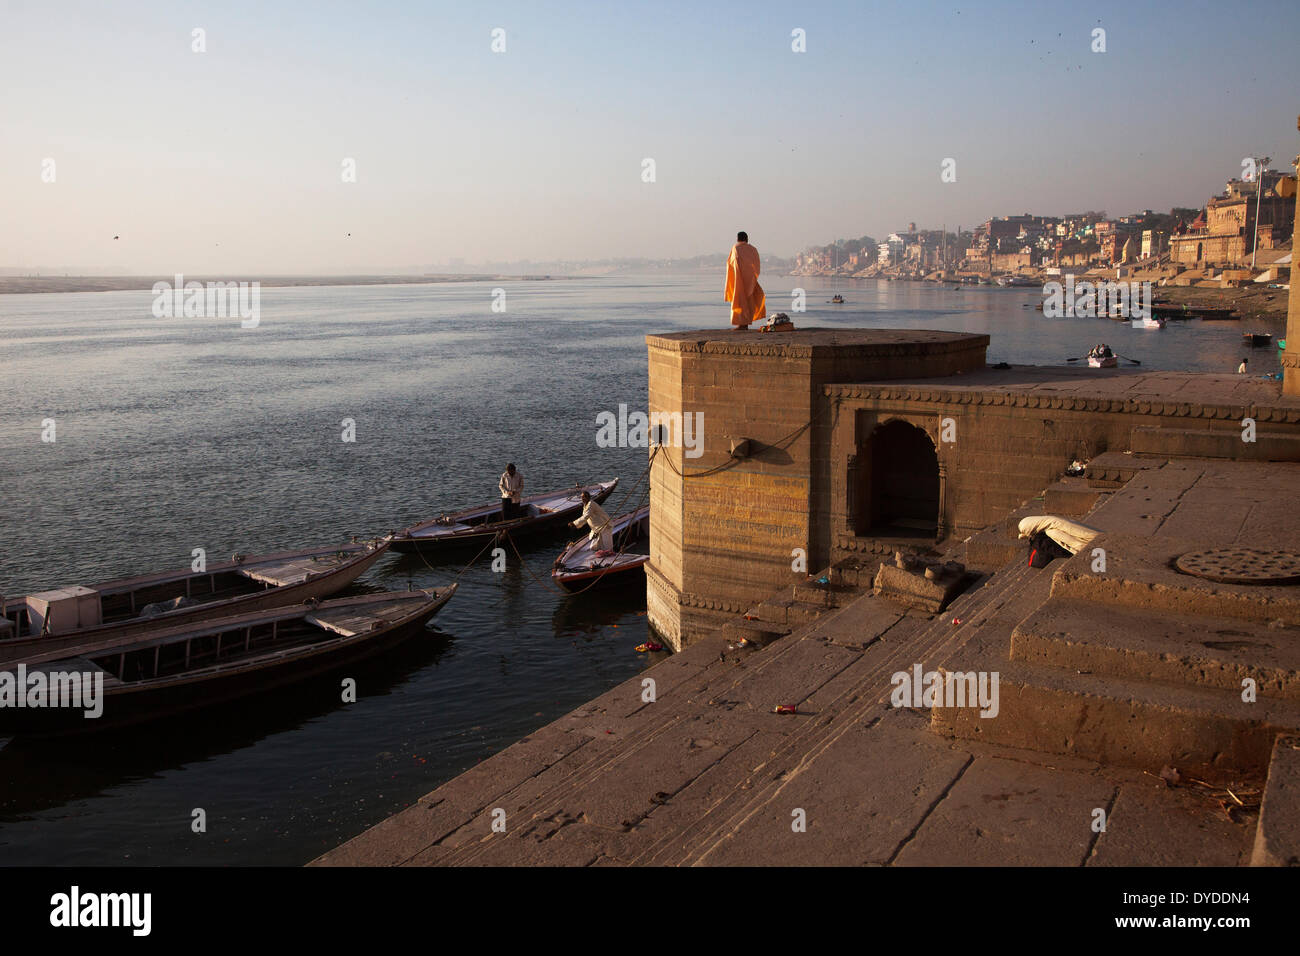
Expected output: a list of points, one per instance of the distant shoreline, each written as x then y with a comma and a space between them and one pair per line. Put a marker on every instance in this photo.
26, 284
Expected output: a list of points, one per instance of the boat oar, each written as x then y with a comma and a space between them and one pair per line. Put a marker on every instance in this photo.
1127, 359
1079, 359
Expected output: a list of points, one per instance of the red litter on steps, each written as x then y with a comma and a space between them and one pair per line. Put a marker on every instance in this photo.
785, 709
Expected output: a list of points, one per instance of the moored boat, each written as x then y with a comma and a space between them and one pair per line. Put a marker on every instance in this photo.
475, 528
580, 566
151, 675
1257, 339
62, 617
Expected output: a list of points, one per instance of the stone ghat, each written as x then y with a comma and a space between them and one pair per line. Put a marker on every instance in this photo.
851, 436
1105, 708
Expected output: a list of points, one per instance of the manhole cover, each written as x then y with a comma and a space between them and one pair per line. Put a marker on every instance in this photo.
1242, 565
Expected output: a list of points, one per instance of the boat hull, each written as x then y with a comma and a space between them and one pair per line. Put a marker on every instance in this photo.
126, 705
325, 585
603, 579
476, 538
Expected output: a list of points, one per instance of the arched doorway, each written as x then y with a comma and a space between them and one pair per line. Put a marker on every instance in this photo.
899, 490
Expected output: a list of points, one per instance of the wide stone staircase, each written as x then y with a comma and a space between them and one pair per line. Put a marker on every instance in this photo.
1131, 662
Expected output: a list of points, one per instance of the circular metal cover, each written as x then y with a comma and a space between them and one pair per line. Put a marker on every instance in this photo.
1242, 565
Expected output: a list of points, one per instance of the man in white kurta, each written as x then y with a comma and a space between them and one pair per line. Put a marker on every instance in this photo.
595, 518
512, 487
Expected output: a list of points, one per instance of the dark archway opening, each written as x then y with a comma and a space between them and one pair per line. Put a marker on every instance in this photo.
900, 493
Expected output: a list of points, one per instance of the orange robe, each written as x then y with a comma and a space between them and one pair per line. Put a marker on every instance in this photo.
748, 304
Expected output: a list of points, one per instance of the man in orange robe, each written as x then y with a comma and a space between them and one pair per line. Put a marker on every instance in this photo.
748, 304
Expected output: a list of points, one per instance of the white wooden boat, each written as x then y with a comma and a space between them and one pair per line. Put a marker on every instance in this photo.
1101, 356
69, 615
155, 674
580, 566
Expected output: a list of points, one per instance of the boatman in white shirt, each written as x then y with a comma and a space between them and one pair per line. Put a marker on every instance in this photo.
595, 518
512, 488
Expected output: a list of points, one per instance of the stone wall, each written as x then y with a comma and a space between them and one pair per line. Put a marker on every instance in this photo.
723, 530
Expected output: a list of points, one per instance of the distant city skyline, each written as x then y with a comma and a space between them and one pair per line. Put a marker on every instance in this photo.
224, 139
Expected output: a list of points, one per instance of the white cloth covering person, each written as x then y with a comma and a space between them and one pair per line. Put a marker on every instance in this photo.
1070, 535
595, 518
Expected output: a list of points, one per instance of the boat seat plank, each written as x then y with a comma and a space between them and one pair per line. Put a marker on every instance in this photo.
294, 571
440, 529
352, 622
79, 665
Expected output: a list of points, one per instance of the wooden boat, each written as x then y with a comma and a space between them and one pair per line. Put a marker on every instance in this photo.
50, 620
837, 299
1257, 339
475, 528
580, 567
1101, 356
155, 674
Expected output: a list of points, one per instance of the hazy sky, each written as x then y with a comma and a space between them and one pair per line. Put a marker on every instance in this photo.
230, 161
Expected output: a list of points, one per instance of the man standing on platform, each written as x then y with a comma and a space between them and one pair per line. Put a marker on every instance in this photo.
748, 304
512, 487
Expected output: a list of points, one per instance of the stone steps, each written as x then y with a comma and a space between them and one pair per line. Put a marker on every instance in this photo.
1151, 645
1214, 443
1204, 732
1114, 469
1071, 497
1139, 573
1277, 838
1131, 667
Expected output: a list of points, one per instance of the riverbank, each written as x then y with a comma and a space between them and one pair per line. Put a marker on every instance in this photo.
28, 284
1250, 303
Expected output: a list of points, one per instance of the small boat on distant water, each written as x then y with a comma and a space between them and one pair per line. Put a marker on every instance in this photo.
580, 566
160, 673
1257, 339
69, 615
837, 299
476, 527
1101, 356
1148, 322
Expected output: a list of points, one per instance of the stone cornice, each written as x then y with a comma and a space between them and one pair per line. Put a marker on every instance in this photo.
687, 599
816, 343
1079, 403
